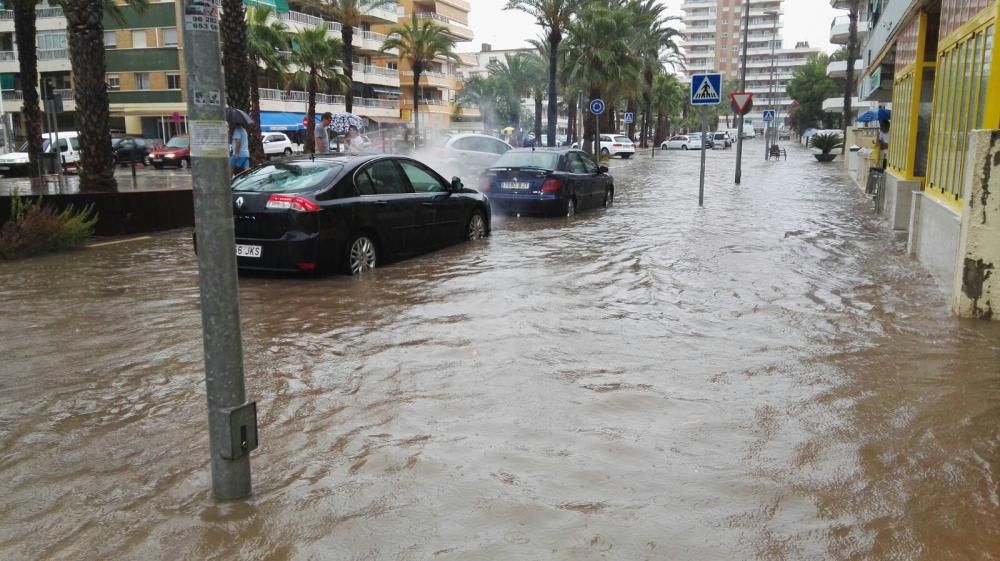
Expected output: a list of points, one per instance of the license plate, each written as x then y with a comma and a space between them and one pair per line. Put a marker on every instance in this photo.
514, 185
247, 251
5, 168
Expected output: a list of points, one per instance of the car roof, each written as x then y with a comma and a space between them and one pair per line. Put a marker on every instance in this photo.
553, 149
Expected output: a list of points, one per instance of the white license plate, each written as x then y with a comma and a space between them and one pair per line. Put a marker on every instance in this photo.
247, 251
515, 185
5, 168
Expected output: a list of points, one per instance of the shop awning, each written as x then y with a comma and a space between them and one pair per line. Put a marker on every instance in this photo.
275, 121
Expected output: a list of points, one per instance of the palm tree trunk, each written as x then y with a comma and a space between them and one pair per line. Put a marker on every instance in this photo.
660, 135
24, 35
416, 106
852, 55
347, 36
256, 138
85, 35
311, 88
555, 37
589, 133
572, 135
235, 60
539, 100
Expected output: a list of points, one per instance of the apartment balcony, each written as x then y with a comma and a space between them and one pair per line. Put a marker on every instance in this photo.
430, 106
840, 30
458, 30
836, 105
699, 16
53, 60
376, 75
765, 25
297, 102
699, 42
13, 100
433, 79
696, 4
463, 5
838, 69
382, 14
364, 40
297, 21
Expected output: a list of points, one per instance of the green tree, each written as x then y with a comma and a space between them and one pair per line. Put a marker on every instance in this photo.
266, 43
808, 88
420, 43
27, 56
517, 73
656, 42
668, 99
235, 57
554, 16
484, 93
317, 58
854, 7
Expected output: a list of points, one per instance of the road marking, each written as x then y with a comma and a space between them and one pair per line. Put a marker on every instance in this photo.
116, 242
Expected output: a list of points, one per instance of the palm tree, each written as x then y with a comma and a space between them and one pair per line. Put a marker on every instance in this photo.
235, 58
484, 93
27, 56
554, 16
516, 73
350, 14
852, 55
419, 43
655, 39
539, 83
668, 96
317, 59
85, 37
266, 43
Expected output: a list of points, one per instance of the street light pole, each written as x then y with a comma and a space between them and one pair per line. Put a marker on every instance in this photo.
743, 88
770, 89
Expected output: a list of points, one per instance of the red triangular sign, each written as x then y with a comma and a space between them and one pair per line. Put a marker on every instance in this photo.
742, 101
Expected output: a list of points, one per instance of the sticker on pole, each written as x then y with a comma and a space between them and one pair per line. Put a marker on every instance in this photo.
768, 115
742, 102
597, 106
201, 15
705, 89
209, 139
629, 117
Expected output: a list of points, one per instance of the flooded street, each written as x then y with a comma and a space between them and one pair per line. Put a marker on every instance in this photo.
769, 377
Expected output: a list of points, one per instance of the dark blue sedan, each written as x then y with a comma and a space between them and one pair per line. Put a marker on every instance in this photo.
552, 181
349, 214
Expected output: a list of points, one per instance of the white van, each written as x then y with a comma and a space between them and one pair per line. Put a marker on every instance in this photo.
16, 163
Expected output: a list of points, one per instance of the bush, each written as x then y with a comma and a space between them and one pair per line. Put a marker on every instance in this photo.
827, 142
35, 228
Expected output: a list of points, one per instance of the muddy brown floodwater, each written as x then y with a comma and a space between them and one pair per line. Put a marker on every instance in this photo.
769, 377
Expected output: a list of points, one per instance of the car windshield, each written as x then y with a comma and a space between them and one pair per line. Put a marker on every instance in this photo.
288, 177
178, 142
622, 139
543, 160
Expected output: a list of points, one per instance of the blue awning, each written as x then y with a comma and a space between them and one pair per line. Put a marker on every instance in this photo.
278, 121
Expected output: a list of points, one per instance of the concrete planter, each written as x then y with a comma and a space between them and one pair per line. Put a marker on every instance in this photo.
825, 157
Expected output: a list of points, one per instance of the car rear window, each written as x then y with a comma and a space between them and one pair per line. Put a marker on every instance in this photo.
622, 139
288, 177
544, 160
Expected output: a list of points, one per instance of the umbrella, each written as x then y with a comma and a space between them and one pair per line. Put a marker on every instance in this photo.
343, 121
508, 130
238, 117
880, 114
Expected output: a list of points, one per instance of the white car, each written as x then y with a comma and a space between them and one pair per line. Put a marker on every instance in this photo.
16, 163
472, 153
682, 142
277, 144
617, 145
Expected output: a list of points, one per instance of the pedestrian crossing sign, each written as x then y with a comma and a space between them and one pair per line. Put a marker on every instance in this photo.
706, 89
768, 115
629, 118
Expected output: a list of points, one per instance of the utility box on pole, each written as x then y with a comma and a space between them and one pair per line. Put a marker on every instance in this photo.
232, 421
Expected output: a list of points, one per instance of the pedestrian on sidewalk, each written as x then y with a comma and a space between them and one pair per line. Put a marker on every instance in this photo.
322, 134
883, 143
239, 150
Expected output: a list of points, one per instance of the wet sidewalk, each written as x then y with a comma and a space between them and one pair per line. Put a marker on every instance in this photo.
146, 179
769, 377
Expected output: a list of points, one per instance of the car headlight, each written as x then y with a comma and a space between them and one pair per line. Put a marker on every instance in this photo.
168, 155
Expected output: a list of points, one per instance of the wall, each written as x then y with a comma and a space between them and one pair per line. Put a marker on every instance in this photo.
122, 214
935, 229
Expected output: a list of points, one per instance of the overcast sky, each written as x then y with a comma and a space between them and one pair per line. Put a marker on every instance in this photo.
805, 20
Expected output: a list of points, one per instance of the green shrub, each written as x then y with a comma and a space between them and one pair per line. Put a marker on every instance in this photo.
35, 228
827, 142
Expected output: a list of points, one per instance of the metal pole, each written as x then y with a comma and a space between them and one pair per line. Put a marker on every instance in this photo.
701, 178
579, 119
230, 441
770, 89
743, 88
597, 137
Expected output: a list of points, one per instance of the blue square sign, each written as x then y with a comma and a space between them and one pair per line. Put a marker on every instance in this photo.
768, 115
706, 89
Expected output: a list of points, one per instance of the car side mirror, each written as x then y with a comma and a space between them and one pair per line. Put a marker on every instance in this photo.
456, 184
602, 169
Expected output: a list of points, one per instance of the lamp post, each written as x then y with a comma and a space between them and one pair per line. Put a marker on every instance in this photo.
743, 88
770, 89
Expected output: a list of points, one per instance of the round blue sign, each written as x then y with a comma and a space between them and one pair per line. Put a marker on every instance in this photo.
597, 106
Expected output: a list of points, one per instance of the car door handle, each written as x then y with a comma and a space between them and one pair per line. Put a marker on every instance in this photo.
427, 204
382, 203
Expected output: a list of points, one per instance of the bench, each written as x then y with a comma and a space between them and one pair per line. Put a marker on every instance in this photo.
777, 152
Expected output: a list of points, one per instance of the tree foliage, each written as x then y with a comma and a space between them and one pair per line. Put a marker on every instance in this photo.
809, 87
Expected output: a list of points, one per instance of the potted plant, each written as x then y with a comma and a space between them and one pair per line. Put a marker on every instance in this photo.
826, 143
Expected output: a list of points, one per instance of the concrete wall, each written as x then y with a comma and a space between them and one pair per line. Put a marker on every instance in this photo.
976, 285
120, 214
899, 200
935, 230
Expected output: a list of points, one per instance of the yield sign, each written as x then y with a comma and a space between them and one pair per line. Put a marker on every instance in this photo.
742, 102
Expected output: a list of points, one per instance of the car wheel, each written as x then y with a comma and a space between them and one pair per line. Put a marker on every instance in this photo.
605, 153
663, 147
571, 207
158, 166
477, 227
362, 255
288, 152
609, 197
626, 156
684, 146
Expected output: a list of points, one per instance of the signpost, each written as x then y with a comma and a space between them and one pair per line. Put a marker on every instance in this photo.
629, 117
596, 109
705, 90
768, 120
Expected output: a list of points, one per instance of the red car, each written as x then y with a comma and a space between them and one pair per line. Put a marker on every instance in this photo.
177, 152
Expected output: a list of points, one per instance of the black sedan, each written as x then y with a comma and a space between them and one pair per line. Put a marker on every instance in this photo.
559, 181
349, 213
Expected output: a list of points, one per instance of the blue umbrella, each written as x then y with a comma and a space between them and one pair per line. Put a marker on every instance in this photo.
880, 114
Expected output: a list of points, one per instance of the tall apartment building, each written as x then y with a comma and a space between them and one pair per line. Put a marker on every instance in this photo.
714, 30
146, 75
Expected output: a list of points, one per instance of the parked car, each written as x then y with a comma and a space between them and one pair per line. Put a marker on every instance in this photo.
16, 163
682, 142
177, 152
554, 181
617, 145
349, 213
128, 149
277, 144
709, 138
472, 153
722, 138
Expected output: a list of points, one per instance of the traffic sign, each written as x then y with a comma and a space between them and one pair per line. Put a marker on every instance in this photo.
768, 115
705, 89
597, 106
629, 118
742, 102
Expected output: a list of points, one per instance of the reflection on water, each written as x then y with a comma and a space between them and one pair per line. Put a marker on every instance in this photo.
765, 378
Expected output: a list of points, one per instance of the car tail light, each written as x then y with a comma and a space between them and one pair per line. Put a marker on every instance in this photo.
617, 145
484, 183
551, 186
287, 202
306, 266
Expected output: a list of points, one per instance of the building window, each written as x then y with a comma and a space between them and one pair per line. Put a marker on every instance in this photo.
169, 36
141, 80
173, 81
110, 39
114, 83
139, 39
51, 40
